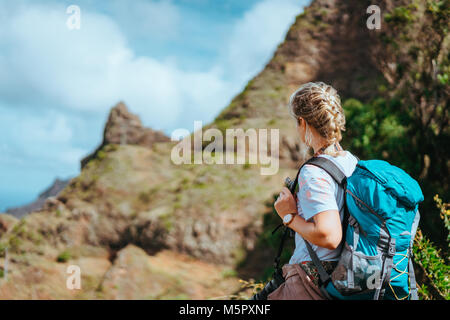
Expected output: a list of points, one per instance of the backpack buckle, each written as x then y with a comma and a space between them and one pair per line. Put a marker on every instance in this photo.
391, 249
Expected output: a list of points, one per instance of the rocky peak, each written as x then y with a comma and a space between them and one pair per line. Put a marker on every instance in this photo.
124, 127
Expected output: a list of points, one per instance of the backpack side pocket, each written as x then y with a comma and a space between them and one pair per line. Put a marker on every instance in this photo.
356, 272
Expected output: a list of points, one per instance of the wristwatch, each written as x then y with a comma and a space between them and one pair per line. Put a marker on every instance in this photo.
287, 219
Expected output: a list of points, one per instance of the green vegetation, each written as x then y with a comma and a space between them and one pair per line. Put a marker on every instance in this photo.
434, 265
246, 165
444, 214
229, 273
64, 256
407, 123
3, 247
437, 270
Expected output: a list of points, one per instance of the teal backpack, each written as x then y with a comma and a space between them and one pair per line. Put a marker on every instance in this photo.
380, 222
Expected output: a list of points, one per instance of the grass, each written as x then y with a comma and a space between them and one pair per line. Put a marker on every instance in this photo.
229, 273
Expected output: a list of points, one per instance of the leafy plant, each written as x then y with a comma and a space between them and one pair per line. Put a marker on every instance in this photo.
444, 214
436, 269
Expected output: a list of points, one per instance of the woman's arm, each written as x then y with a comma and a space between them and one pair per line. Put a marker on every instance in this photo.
324, 231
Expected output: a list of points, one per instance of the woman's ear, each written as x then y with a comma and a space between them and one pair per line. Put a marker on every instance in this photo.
302, 124
300, 127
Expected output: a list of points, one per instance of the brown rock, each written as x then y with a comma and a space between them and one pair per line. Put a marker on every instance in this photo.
6, 223
167, 275
123, 127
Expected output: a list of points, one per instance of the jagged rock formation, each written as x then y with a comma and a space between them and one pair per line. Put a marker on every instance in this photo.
123, 127
52, 191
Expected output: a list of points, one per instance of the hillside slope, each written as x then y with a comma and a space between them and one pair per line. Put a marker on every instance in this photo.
130, 195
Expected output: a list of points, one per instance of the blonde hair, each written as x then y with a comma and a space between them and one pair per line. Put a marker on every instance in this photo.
320, 106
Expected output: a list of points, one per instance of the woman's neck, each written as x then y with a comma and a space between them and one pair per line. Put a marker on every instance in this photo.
319, 146
319, 149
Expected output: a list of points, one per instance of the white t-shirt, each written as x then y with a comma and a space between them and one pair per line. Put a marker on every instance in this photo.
319, 192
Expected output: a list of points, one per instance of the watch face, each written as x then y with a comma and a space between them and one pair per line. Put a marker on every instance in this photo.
287, 218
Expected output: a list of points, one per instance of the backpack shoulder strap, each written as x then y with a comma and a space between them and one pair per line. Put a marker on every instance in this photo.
336, 173
330, 167
412, 277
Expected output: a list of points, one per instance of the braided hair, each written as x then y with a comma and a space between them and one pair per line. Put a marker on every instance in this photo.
320, 106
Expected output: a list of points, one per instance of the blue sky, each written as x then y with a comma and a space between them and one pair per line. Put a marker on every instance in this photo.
171, 62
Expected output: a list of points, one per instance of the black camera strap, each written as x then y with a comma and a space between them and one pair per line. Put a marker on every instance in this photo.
276, 264
286, 231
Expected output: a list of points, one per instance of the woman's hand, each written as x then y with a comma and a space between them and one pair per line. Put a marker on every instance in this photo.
285, 203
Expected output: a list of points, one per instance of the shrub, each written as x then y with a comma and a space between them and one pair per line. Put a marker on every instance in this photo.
430, 260
64, 256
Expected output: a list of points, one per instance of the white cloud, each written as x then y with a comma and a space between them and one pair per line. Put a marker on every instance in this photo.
44, 63
46, 139
93, 68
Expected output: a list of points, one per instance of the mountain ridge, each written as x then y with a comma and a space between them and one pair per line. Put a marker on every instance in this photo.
53, 190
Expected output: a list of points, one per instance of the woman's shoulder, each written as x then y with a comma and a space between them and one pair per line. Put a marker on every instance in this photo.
346, 162
311, 172
313, 179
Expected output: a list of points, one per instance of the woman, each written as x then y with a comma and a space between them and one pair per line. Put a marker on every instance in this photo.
317, 212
